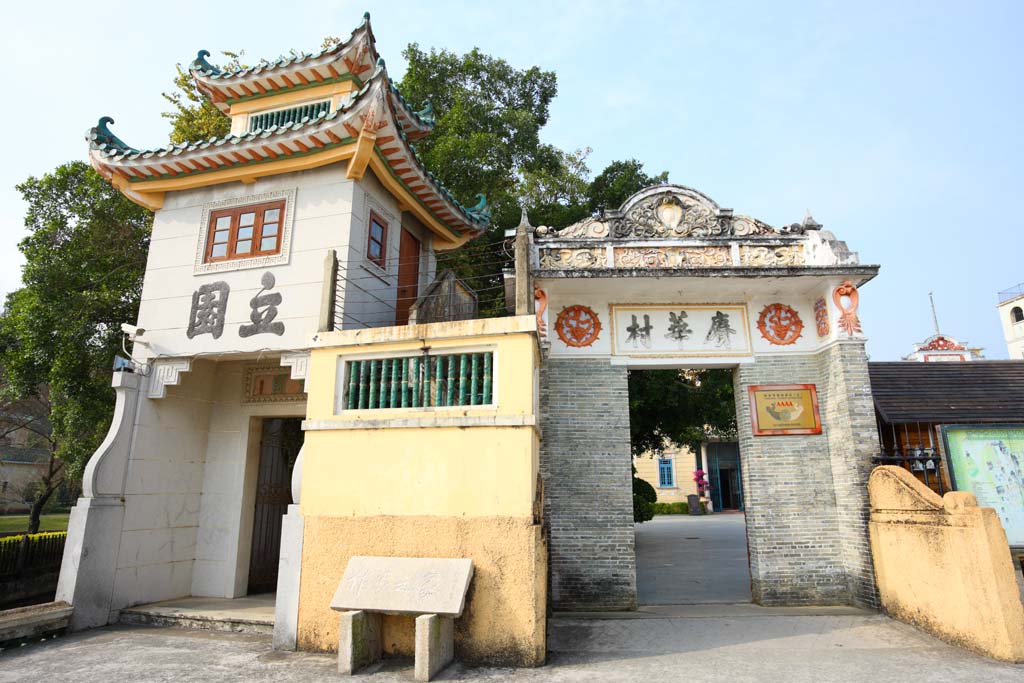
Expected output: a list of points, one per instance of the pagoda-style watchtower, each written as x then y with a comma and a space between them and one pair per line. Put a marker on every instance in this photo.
314, 214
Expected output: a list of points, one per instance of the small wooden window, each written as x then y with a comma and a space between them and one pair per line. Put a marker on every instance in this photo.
245, 232
377, 240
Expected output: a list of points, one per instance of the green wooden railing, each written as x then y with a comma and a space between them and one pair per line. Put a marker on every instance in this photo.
287, 117
426, 381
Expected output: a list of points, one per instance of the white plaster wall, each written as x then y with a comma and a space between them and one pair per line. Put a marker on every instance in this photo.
370, 291
755, 294
1013, 333
162, 492
322, 214
229, 483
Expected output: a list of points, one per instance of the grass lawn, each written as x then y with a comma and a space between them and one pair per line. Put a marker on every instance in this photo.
58, 522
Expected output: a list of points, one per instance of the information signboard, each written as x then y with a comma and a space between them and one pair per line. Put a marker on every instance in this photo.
987, 460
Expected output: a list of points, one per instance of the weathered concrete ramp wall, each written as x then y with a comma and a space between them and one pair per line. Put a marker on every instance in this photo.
944, 565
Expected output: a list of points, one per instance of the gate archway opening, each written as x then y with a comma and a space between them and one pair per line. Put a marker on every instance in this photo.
690, 544
669, 280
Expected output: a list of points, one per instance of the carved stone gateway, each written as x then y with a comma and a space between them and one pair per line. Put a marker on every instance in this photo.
672, 281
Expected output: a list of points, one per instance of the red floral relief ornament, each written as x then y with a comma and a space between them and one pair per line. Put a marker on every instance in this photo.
577, 326
780, 324
944, 344
848, 320
821, 317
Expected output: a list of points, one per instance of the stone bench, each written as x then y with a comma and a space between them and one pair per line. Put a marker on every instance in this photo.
430, 589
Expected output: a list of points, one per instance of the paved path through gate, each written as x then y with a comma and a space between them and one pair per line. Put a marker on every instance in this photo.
690, 560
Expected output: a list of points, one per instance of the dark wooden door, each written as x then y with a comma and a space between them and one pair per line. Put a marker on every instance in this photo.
279, 446
408, 276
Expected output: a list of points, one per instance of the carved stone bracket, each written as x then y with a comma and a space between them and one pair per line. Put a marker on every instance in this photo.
848, 320
104, 474
165, 372
540, 298
298, 362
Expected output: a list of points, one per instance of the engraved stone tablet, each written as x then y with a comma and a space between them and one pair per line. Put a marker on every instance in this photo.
404, 585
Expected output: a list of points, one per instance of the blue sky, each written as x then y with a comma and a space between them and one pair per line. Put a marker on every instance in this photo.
897, 124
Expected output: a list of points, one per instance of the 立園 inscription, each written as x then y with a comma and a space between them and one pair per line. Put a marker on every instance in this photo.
264, 310
209, 310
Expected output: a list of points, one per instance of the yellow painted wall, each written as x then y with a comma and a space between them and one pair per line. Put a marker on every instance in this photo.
472, 472
461, 482
512, 339
943, 564
504, 620
647, 469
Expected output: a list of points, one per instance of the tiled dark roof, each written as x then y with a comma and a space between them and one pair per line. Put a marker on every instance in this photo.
946, 393
200, 65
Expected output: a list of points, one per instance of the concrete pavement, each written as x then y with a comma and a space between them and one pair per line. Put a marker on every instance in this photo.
726, 644
702, 628
688, 560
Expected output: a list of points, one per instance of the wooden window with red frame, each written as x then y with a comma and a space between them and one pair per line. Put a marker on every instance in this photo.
245, 232
377, 240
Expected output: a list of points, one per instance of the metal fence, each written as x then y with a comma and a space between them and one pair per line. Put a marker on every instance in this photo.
31, 554
1011, 293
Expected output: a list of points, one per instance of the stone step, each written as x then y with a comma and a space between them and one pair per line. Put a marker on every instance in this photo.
196, 621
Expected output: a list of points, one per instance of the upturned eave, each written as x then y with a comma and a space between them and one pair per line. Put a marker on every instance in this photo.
144, 176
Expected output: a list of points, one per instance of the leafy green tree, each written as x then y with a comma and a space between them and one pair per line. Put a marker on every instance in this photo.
487, 140
85, 255
617, 182
684, 407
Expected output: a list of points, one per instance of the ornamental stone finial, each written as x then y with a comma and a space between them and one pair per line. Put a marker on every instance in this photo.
102, 135
427, 112
200, 63
481, 212
524, 220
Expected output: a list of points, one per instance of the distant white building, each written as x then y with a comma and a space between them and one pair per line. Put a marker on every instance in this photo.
1011, 314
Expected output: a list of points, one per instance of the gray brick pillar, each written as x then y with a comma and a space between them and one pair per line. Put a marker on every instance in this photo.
588, 498
848, 418
792, 535
806, 496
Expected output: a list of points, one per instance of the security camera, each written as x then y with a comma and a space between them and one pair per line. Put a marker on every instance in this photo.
132, 331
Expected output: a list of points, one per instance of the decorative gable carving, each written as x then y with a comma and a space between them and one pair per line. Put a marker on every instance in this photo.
670, 211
